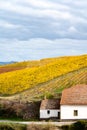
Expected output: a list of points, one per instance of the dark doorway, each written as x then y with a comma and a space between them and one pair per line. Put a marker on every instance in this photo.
58, 115
48, 112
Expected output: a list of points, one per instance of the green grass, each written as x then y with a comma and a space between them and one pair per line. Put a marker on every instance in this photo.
12, 119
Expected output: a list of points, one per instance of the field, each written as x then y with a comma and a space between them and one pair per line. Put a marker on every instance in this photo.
53, 87
25, 64
36, 78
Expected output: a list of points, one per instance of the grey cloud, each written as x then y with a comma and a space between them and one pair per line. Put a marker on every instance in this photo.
42, 28
40, 20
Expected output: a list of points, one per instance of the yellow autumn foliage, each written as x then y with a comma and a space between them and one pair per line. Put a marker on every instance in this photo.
20, 80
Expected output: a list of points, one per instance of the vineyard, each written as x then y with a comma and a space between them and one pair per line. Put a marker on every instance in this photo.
25, 64
42, 72
55, 86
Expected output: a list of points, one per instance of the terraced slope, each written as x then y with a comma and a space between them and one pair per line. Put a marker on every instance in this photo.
24, 79
54, 86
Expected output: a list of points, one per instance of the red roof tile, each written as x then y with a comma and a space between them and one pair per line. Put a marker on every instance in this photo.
76, 95
50, 104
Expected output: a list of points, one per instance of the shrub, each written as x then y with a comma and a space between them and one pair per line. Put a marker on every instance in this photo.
65, 127
78, 126
49, 96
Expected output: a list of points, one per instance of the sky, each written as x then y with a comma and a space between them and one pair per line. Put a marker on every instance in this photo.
35, 29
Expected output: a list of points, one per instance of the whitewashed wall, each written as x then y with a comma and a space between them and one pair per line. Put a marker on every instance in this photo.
44, 114
67, 111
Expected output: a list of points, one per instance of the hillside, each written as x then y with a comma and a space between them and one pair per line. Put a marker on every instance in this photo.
41, 78
25, 64
53, 87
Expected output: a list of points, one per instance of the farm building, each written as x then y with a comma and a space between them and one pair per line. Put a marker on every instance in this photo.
73, 103
50, 108
72, 106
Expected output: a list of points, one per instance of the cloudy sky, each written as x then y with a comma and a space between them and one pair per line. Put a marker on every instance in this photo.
35, 29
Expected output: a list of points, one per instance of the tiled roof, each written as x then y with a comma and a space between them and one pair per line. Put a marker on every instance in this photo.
76, 95
50, 104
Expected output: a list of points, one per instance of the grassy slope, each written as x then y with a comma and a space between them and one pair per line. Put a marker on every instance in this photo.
46, 76
54, 86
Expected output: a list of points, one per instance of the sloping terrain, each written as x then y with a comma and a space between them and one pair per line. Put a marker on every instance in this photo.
25, 64
52, 75
54, 86
21, 65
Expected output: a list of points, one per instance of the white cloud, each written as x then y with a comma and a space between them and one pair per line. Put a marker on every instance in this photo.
8, 25
37, 12
42, 4
15, 50
80, 3
46, 4
43, 18
44, 9
73, 29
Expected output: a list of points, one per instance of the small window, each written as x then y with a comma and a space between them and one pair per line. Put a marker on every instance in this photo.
48, 112
75, 112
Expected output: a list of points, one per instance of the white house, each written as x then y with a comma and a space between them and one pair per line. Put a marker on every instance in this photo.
73, 103
50, 108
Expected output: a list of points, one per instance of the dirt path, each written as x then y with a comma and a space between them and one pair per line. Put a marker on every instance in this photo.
39, 122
